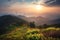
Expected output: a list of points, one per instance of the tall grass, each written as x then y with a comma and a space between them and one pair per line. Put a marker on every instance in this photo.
25, 33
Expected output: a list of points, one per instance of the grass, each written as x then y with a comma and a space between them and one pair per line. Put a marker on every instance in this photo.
25, 33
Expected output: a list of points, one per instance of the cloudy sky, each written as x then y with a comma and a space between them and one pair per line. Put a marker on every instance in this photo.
45, 8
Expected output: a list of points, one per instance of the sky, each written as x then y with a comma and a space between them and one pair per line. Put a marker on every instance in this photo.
29, 8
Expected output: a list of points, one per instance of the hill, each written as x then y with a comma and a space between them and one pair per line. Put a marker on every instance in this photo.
41, 20
9, 22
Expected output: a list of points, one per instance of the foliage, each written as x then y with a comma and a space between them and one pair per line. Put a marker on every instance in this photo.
52, 32
9, 22
33, 35
32, 24
25, 33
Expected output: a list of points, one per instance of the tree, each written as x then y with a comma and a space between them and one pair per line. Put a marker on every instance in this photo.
45, 25
32, 24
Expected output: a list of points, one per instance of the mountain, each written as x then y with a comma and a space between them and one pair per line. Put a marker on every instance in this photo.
38, 20
9, 22
55, 21
41, 20
10, 19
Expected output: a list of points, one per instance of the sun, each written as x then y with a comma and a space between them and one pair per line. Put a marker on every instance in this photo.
38, 7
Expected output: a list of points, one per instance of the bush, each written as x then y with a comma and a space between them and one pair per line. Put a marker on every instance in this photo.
52, 32
34, 35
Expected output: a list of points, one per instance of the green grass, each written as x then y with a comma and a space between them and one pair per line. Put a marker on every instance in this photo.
25, 33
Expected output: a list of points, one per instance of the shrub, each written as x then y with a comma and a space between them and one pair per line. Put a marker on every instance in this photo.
52, 32
34, 35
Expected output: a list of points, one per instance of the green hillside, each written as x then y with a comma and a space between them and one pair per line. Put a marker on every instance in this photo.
14, 28
10, 22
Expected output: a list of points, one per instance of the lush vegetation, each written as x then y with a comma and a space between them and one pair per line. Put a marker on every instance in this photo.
13, 28
26, 33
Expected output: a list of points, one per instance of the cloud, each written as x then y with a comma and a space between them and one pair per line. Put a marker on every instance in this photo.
14, 6
52, 3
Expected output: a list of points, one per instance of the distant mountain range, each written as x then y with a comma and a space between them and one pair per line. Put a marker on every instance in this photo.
41, 20
38, 20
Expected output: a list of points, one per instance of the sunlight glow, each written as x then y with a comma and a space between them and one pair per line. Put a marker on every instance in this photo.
38, 7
